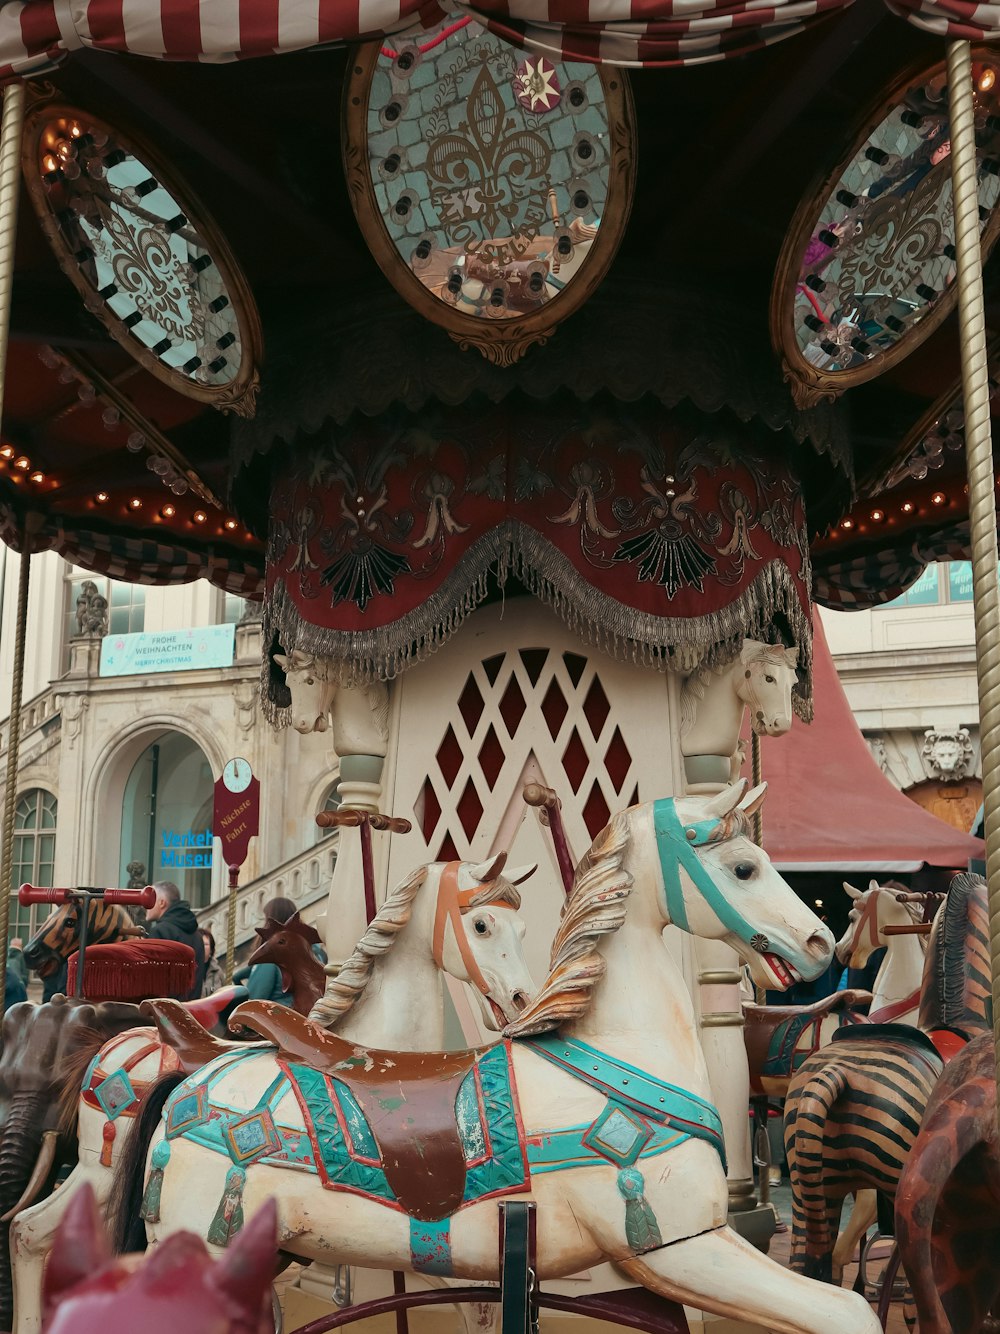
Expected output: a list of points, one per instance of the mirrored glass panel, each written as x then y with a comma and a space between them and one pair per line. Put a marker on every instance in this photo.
142, 262
492, 172
875, 260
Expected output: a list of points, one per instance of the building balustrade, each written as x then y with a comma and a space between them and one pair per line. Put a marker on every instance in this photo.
305, 879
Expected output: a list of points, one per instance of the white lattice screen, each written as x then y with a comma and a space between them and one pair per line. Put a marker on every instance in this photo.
515, 697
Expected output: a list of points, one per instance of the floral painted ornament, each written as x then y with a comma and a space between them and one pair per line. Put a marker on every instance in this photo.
536, 85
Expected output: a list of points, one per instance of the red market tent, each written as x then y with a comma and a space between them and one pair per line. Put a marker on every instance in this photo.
830, 807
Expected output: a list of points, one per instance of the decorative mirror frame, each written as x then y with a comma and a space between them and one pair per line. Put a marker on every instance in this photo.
240, 394
502, 342
809, 384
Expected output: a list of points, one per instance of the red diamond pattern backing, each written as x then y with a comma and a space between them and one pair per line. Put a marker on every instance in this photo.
470, 704
449, 757
491, 757
547, 711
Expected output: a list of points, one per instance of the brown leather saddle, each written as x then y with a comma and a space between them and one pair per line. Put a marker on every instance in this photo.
408, 1099
179, 1028
760, 1021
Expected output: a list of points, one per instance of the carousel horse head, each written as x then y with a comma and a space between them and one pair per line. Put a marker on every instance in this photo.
874, 909
718, 884
178, 1285
463, 915
59, 935
312, 694
766, 675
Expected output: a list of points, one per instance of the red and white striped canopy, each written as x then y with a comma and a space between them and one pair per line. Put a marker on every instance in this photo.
644, 33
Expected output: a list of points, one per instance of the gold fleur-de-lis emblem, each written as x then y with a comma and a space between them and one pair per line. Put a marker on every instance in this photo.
489, 165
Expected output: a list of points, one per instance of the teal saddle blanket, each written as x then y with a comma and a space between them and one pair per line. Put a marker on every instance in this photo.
332, 1137
308, 1120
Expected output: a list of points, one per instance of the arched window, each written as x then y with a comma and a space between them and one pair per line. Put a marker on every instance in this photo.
34, 855
331, 802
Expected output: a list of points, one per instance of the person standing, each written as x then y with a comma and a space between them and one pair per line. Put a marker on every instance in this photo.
214, 975
171, 918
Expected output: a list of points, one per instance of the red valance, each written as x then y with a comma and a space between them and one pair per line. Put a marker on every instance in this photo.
661, 538
644, 33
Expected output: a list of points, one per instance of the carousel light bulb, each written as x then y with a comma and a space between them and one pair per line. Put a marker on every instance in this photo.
168, 511
23, 463
135, 503
231, 524
7, 451
101, 497
907, 507
38, 477
199, 516
50, 163
817, 903
878, 515
75, 130
847, 523
987, 79
938, 498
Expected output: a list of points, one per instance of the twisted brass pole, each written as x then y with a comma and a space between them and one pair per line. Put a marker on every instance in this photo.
11, 129
982, 486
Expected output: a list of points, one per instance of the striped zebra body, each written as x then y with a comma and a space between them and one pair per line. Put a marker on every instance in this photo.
852, 1113
854, 1108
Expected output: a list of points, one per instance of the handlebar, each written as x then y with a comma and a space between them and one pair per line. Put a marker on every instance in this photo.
28, 894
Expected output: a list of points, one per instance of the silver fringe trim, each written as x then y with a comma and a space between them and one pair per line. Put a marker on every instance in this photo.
666, 643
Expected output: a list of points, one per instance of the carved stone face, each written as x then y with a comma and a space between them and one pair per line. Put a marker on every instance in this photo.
945, 754
948, 754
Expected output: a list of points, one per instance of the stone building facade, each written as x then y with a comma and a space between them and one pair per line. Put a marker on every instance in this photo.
909, 670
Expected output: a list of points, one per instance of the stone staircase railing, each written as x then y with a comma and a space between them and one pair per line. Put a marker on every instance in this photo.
35, 713
304, 878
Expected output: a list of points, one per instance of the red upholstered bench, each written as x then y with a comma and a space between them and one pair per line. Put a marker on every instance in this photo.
135, 970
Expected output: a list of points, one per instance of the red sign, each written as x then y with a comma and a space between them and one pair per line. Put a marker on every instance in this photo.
237, 811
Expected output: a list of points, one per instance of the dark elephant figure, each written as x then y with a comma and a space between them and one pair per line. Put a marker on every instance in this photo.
39, 1043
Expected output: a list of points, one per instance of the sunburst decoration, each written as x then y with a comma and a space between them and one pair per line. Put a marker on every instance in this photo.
536, 85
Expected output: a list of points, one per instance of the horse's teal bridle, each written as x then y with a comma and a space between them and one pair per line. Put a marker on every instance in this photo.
675, 844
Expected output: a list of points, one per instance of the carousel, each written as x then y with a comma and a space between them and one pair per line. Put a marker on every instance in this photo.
537, 368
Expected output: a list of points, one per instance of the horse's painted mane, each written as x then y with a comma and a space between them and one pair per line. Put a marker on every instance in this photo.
344, 991
595, 908
957, 990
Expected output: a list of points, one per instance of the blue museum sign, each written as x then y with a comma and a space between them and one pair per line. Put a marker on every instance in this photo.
187, 849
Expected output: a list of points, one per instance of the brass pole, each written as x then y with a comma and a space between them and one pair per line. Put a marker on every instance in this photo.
979, 463
234, 881
11, 129
13, 753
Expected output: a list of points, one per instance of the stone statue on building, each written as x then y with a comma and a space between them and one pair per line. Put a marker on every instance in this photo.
91, 611
136, 875
880, 755
947, 755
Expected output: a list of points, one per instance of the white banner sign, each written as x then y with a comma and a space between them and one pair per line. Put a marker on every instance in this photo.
171, 651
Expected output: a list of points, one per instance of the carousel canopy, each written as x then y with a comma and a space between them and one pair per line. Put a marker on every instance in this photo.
857, 820
200, 299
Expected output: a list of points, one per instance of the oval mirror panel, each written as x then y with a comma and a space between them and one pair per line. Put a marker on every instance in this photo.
868, 267
147, 262
492, 184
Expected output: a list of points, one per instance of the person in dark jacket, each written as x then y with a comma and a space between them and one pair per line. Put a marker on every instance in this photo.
171, 918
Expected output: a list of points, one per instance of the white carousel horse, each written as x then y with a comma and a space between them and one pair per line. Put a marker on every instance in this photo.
713, 699
603, 1120
359, 715
390, 992
896, 989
